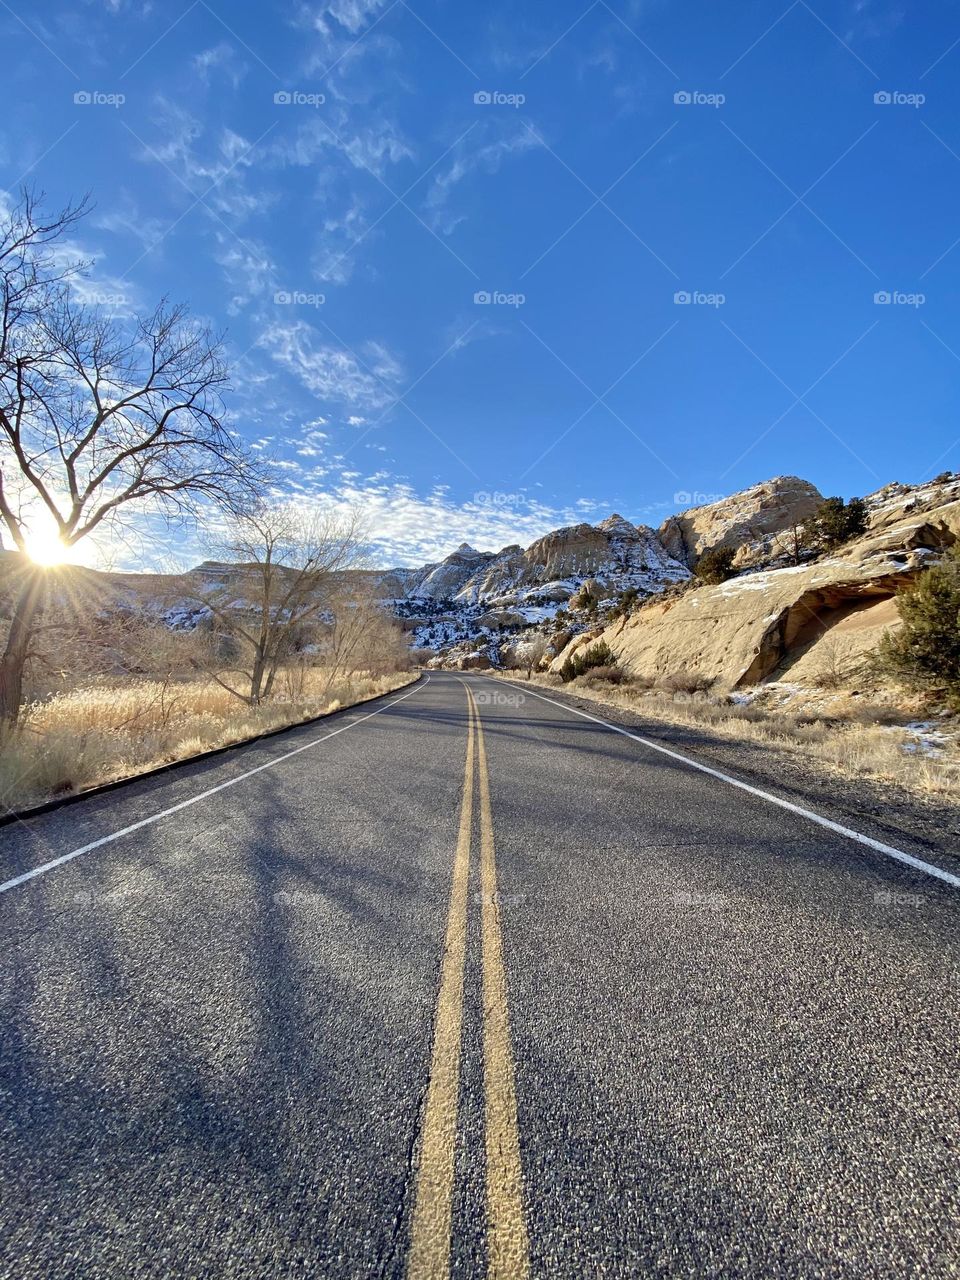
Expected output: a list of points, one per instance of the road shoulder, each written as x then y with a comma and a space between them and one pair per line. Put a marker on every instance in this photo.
882, 810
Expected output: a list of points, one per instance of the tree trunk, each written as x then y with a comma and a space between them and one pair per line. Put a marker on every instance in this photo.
14, 657
256, 679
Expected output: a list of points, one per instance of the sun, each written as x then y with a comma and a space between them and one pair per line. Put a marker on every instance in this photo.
45, 548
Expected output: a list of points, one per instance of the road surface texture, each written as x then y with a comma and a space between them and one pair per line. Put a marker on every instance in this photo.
464, 982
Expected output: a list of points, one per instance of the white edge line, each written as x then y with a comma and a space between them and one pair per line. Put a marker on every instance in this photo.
185, 804
917, 863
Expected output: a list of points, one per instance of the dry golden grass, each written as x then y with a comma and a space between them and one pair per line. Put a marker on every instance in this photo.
853, 745
116, 729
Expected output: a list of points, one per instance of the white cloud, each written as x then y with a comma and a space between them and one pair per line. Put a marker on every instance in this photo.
408, 529
374, 145
248, 267
94, 286
353, 15
366, 380
336, 252
127, 218
220, 58
219, 171
486, 159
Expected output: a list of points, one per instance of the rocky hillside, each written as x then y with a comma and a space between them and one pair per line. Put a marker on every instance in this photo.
474, 597
815, 620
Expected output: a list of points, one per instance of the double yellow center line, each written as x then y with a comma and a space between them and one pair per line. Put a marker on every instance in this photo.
507, 1242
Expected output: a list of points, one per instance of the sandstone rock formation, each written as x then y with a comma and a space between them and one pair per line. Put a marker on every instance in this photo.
749, 521
792, 622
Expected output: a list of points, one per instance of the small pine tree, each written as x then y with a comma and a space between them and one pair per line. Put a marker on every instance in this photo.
835, 522
715, 565
925, 652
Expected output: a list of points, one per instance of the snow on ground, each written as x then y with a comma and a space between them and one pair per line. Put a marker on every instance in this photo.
924, 738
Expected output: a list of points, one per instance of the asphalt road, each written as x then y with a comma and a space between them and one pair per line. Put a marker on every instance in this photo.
474, 992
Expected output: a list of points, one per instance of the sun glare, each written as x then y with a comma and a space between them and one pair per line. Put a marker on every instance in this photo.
45, 548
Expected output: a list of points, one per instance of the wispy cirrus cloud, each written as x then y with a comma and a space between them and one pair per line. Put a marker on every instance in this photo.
352, 15
220, 59
367, 381
215, 164
374, 145
127, 218
468, 160
249, 269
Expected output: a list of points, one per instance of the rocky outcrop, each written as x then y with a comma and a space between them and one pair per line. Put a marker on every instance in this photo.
748, 521
896, 502
760, 623
615, 552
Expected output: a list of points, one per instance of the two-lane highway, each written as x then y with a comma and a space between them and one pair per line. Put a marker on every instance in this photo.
463, 982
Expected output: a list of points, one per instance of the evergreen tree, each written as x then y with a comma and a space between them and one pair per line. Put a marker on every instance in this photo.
925, 652
836, 522
715, 565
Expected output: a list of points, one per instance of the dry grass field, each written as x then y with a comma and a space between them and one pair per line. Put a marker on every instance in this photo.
112, 729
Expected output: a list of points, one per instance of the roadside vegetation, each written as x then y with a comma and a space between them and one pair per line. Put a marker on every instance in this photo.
110, 691
877, 738
117, 429
925, 652
112, 729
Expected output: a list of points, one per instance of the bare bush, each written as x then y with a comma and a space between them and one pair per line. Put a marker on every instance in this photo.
531, 653
603, 675
685, 682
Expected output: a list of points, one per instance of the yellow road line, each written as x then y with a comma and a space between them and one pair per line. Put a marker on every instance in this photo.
429, 1257
508, 1246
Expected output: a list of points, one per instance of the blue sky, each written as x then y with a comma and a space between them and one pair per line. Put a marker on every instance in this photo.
336, 183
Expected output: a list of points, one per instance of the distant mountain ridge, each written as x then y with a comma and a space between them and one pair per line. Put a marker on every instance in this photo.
471, 606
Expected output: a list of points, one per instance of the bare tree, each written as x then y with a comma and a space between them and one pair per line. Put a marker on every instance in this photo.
534, 651
363, 636
276, 590
96, 419
793, 542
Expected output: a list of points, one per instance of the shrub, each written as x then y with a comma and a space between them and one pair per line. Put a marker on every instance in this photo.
686, 682
715, 565
589, 595
604, 675
598, 655
835, 522
626, 602
925, 652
